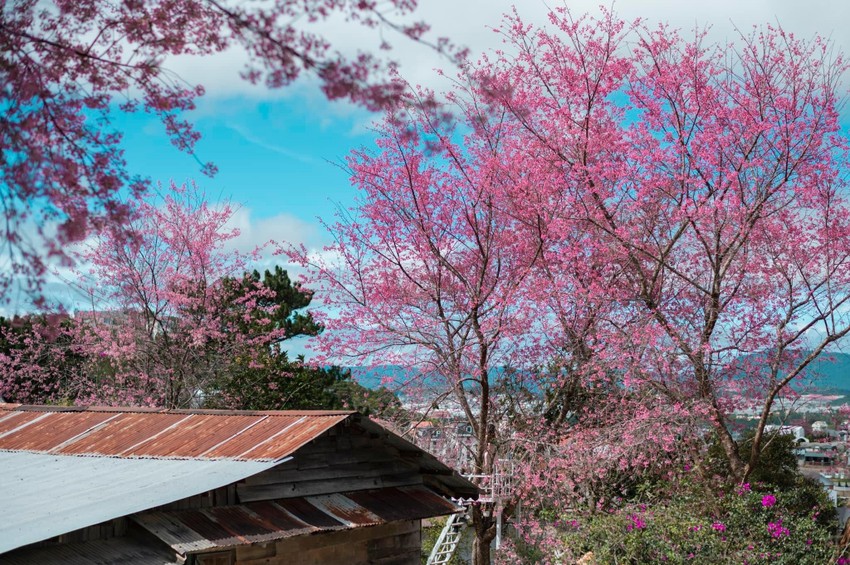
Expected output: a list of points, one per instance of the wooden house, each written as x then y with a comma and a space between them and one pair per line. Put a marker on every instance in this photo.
139, 486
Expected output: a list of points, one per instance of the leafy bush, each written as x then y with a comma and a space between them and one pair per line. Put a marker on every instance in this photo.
751, 525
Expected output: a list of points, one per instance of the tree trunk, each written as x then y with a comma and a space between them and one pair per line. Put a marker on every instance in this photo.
485, 533
481, 550
740, 470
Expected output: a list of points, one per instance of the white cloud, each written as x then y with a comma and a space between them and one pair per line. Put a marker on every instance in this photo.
253, 139
282, 229
471, 22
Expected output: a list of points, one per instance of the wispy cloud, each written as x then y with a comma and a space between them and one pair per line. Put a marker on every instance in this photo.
253, 139
471, 23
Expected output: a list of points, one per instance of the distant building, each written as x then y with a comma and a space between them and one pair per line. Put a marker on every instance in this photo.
195, 487
450, 438
820, 427
797, 431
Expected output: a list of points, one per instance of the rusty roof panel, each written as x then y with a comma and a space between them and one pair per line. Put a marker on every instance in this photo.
302, 509
192, 436
190, 531
209, 528
265, 429
302, 431
121, 434
344, 509
12, 420
403, 503
51, 431
174, 434
123, 550
239, 522
276, 517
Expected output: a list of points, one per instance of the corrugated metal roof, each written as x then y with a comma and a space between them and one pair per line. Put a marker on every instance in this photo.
190, 531
125, 550
66, 468
165, 434
49, 495
196, 434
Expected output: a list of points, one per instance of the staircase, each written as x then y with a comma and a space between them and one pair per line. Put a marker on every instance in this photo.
448, 541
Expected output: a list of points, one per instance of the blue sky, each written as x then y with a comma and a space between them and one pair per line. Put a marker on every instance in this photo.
276, 156
275, 149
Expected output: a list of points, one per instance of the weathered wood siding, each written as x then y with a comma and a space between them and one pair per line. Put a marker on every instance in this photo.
334, 462
396, 543
104, 530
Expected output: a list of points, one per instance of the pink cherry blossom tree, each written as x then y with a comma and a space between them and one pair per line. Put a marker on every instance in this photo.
39, 361
663, 218
710, 177
165, 320
69, 66
429, 273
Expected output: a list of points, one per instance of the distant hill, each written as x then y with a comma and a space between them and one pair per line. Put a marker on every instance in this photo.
395, 376
380, 375
830, 373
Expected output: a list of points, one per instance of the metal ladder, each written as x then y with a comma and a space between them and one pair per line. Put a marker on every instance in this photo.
448, 541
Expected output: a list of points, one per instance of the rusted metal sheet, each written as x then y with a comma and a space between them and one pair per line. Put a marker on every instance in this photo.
302, 509
191, 531
178, 434
292, 437
123, 550
402, 503
134, 431
51, 431
266, 430
344, 509
13, 420
191, 436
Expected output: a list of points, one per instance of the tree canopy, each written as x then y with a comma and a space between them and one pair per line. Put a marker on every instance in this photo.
70, 66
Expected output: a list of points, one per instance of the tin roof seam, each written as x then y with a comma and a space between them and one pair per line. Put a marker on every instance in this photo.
25, 424
9, 414
156, 435
271, 437
237, 434
82, 434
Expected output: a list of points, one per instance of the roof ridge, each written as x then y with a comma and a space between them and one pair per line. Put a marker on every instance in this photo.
13, 407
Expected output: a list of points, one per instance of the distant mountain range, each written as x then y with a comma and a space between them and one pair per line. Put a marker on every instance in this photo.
830, 373
389, 375
380, 375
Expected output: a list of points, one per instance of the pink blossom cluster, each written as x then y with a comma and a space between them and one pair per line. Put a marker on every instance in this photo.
777, 530
635, 523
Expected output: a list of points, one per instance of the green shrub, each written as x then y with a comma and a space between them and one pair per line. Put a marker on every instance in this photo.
752, 526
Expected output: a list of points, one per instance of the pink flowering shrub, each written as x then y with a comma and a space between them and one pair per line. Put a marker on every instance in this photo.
777, 530
739, 525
